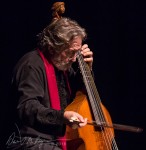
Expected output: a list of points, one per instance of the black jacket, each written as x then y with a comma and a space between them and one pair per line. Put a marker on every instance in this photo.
30, 97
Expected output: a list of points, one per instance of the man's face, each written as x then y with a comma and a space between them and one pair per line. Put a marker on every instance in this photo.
65, 59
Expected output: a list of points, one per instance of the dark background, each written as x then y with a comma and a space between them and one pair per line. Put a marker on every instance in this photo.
116, 35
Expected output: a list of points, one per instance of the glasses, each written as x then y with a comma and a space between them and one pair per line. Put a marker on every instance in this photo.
70, 54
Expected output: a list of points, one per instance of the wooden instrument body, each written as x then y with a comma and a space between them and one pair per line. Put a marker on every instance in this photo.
87, 137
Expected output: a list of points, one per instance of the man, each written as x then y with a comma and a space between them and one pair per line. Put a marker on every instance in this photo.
44, 82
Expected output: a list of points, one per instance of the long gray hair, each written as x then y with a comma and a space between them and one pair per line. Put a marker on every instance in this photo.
57, 36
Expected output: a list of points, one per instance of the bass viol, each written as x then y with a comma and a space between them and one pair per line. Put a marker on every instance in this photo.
99, 136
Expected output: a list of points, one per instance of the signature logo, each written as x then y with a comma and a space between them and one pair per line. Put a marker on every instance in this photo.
16, 139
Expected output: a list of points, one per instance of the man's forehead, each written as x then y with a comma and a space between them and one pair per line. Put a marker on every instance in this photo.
77, 41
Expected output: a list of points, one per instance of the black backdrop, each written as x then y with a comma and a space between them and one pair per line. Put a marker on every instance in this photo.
117, 36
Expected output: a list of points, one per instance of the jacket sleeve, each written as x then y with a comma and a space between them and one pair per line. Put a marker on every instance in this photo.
32, 109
